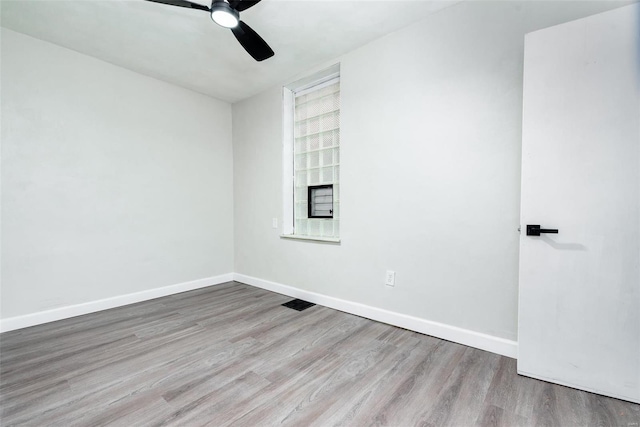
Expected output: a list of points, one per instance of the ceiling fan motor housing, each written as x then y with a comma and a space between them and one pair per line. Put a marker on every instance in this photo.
224, 15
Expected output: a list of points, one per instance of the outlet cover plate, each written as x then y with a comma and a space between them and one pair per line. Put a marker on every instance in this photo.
390, 278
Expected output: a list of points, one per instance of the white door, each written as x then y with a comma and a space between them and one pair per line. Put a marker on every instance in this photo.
579, 308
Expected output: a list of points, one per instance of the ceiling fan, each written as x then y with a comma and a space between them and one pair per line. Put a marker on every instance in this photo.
226, 14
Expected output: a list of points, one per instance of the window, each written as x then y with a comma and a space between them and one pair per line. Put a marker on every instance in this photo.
320, 201
312, 157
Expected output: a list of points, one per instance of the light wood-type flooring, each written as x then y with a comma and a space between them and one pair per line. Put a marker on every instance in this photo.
231, 355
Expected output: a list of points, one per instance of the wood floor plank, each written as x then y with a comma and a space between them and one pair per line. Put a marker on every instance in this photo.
231, 355
369, 390
212, 404
279, 397
358, 369
491, 416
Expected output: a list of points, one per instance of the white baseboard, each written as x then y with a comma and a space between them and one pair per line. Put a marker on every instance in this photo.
47, 316
486, 342
440, 330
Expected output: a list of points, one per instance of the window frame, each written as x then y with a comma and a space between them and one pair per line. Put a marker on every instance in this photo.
310, 189
299, 87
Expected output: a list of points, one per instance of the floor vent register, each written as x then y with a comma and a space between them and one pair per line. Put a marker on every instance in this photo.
298, 304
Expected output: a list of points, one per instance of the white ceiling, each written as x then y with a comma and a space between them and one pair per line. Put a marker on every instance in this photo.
184, 47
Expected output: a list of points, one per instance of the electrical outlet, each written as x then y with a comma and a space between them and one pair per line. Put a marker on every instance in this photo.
274, 223
391, 278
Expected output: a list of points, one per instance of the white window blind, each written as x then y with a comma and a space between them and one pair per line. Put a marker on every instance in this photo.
317, 155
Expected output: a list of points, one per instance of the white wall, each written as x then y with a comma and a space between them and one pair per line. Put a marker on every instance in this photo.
112, 182
431, 128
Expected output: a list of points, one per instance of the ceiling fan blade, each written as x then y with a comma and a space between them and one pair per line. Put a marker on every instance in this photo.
182, 3
252, 42
241, 5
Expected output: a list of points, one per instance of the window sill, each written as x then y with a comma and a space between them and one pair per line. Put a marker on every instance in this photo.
311, 238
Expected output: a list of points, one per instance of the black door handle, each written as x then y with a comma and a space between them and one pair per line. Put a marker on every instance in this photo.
535, 230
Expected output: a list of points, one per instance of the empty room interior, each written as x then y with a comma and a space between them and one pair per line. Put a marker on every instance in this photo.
320, 213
